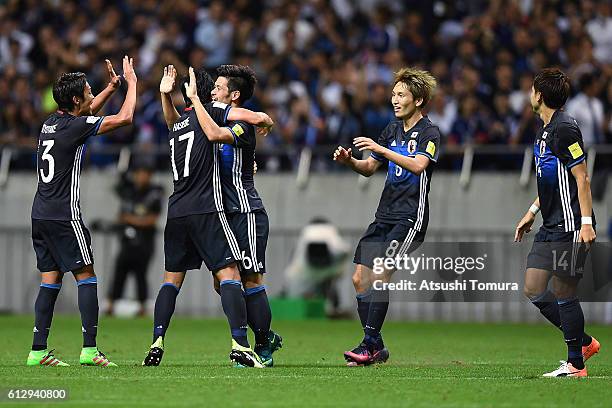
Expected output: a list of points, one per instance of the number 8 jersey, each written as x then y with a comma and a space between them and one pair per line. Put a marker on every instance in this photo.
60, 149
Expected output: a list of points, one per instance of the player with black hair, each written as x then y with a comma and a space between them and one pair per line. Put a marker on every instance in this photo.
245, 210
560, 247
197, 229
61, 240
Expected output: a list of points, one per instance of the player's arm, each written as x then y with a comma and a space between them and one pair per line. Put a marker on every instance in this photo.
365, 167
587, 232
166, 86
525, 224
126, 113
259, 119
101, 98
213, 132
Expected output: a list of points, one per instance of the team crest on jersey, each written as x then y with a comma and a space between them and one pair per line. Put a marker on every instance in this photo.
412, 145
92, 119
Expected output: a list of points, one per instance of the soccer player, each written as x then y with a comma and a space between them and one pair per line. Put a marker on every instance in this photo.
567, 215
61, 241
410, 145
244, 208
197, 229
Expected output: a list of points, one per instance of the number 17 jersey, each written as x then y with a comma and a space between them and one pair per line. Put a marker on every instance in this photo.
195, 166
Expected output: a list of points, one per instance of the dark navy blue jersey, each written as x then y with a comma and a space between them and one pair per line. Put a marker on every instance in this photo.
58, 165
195, 166
405, 196
237, 159
558, 147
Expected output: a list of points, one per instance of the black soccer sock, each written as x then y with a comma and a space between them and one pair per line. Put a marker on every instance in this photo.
363, 306
259, 315
43, 313
234, 307
572, 322
548, 306
379, 305
164, 309
88, 306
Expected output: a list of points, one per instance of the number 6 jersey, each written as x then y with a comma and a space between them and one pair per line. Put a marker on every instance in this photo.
58, 158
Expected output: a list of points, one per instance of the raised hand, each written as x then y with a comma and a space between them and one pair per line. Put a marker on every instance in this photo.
365, 143
342, 155
115, 80
191, 88
128, 70
168, 81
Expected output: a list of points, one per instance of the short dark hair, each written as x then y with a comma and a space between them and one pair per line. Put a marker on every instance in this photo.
586, 80
204, 86
554, 86
239, 78
67, 86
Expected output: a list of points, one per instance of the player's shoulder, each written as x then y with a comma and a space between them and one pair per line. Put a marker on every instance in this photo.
564, 120
429, 128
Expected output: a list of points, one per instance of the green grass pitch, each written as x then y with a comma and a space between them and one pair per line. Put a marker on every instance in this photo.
432, 364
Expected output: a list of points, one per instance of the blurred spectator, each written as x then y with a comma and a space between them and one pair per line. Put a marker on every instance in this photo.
588, 110
140, 209
324, 66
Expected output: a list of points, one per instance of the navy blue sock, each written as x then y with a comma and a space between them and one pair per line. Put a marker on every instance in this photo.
572, 322
43, 313
164, 309
548, 306
363, 306
88, 306
234, 307
376, 317
259, 315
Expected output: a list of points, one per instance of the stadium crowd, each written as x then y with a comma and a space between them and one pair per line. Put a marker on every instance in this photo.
324, 66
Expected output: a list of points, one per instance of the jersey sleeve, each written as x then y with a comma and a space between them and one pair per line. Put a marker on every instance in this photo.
244, 134
429, 143
218, 111
383, 140
567, 145
84, 127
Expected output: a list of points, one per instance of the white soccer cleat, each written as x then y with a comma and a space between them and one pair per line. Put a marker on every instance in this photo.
566, 370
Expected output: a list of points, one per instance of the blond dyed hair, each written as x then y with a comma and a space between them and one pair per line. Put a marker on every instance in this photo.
420, 82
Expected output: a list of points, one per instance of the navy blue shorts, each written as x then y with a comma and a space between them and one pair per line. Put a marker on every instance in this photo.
61, 245
558, 252
386, 240
251, 231
193, 239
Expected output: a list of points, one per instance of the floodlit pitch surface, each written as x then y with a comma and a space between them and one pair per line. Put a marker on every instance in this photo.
432, 364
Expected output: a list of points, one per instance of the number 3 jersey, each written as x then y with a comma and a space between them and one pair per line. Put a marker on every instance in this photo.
559, 147
195, 166
58, 158
405, 196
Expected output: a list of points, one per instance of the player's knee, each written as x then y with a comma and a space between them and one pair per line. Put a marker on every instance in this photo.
359, 281
51, 278
531, 292
252, 280
174, 278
